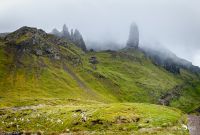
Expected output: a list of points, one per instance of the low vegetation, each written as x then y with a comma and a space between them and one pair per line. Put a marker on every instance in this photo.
94, 118
58, 88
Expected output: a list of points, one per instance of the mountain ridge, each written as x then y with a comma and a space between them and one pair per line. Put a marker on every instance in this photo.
40, 69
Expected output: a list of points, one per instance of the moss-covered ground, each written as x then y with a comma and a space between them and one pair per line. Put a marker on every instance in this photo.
76, 116
38, 94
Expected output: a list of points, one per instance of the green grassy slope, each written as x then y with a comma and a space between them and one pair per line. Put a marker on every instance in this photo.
123, 76
112, 92
130, 77
36, 79
189, 100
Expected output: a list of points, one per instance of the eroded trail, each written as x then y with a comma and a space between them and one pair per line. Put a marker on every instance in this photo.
79, 81
194, 124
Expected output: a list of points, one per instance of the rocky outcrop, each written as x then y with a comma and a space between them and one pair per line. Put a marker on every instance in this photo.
93, 60
171, 67
170, 95
28, 40
133, 40
74, 36
167, 64
33, 41
25, 33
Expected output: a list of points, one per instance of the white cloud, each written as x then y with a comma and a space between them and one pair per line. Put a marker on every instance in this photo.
196, 59
174, 23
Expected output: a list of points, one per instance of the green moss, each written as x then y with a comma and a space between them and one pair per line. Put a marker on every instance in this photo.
22, 38
120, 118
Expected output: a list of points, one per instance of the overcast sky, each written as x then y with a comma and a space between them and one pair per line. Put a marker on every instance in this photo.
173, 23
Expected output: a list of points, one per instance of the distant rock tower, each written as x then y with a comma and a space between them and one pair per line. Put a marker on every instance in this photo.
74, 36
78, 40
133, 40
65, 32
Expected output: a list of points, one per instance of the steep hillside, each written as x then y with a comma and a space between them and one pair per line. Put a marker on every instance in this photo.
43, 73
133, 77
32, 67
38, 65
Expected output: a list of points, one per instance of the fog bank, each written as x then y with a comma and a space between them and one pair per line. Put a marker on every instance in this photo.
175, 24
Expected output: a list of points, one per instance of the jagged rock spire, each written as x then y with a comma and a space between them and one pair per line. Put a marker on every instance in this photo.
65, 29
65, 32
78, 40
133, 40
77, 35
74, 36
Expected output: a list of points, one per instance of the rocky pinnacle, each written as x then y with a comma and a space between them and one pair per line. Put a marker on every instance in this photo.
133, 40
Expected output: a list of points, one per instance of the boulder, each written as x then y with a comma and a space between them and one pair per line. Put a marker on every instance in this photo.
38, 52
93, 60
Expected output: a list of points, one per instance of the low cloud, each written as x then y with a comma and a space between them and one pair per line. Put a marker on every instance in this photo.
175, 24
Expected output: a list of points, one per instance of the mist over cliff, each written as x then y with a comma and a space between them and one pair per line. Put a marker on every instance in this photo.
175, 24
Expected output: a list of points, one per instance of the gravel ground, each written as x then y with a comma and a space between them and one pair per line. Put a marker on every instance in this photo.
194, 124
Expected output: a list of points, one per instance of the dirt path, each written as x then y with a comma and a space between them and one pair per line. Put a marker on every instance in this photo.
194, 124
24, 107
79, 81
